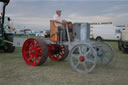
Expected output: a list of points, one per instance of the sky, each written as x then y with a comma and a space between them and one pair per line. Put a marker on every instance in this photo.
35, 14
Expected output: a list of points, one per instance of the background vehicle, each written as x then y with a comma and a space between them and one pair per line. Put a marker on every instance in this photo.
123, 42
101, 32
45, 33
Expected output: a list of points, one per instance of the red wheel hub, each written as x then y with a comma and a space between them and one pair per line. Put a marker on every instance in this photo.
32, 52
82, 59
56, 52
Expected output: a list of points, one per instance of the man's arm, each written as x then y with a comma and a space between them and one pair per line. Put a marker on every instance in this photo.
64, 21
58, 22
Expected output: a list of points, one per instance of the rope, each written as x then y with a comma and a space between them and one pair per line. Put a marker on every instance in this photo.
8, 41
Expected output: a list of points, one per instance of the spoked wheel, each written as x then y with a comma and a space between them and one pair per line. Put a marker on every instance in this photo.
34, 51
105, 53
57, 52
83, 58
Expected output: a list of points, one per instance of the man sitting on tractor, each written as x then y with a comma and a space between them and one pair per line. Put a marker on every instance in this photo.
59, 22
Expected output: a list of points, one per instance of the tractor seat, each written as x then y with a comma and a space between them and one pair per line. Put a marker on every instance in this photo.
54, 36
55, 33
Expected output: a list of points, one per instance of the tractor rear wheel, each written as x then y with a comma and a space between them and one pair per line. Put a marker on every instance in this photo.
9, 46
35, 51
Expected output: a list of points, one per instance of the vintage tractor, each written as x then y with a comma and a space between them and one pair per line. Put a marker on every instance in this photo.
83, 54
6, 36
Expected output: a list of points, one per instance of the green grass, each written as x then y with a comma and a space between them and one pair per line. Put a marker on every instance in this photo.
14, 71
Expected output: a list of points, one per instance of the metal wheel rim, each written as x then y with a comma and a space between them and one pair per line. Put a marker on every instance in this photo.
59, 55
32, 52
90, 56
106, 54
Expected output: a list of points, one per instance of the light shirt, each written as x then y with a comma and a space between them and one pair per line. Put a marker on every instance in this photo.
56, 17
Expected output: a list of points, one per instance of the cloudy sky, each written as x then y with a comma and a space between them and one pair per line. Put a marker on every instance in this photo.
37, 13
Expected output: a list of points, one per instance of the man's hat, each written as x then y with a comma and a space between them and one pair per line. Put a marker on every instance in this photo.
58, 10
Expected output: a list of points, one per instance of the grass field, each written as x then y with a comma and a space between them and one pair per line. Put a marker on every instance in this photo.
14, 71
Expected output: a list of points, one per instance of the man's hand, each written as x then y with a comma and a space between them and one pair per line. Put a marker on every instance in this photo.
64, 21
58, 22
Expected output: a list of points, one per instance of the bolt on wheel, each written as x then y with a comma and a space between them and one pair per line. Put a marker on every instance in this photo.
83, 58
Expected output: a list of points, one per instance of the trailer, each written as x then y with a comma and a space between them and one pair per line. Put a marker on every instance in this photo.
123, 42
